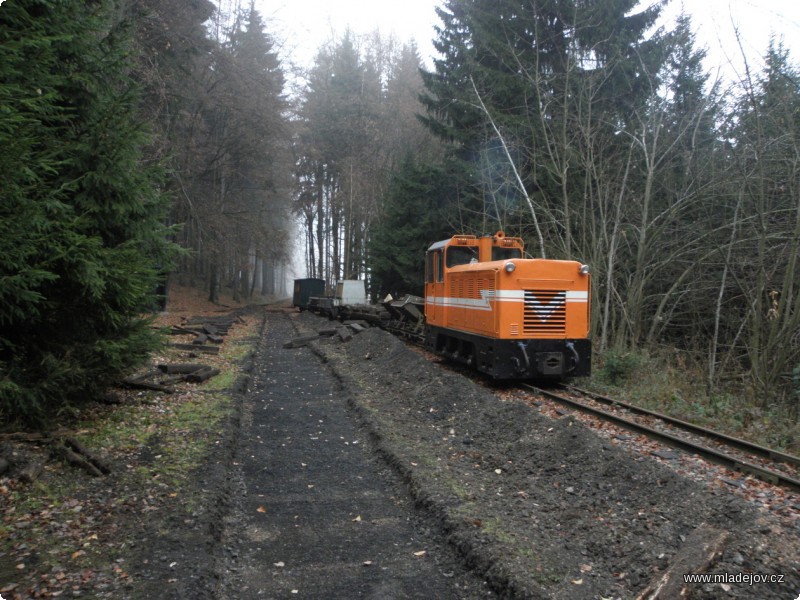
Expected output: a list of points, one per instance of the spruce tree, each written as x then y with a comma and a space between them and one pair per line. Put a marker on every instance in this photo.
420, 207
81, 218
254, 137
551, 81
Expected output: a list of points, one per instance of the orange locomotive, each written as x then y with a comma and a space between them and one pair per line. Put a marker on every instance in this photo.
509, 317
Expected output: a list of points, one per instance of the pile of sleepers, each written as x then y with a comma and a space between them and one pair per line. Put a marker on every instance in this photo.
209, 333
342, 331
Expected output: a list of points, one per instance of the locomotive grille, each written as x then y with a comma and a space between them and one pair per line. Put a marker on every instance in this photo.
545, 313
470, 287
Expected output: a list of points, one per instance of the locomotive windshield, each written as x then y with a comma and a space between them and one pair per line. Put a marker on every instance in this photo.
505, 253
461, 255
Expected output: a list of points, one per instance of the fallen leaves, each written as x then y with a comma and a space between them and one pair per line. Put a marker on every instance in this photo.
118, 570
62, 538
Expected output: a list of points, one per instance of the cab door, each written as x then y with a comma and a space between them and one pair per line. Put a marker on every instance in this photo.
434, 287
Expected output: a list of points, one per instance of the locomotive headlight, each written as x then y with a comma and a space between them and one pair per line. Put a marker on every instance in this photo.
584, 270
510, 266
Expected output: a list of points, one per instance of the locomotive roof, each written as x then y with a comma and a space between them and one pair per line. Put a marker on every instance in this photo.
465, 241
499, 239
437, 245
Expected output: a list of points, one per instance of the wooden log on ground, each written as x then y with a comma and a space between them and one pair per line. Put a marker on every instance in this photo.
60, 450
112, 398
98, 462
172, 369
31, 471
177, 330
202, 375
702, 546
344, 334
138, 384
200, 339
300, 341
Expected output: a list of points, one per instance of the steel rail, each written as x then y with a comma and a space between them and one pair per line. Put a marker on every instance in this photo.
728, 440
716, 456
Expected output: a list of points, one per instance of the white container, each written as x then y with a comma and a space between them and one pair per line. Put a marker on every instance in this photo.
349, 292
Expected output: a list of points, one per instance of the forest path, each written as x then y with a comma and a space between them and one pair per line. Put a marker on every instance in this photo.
319, 515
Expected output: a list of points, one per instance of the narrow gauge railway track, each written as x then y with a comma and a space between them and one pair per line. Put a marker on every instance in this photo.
682, 442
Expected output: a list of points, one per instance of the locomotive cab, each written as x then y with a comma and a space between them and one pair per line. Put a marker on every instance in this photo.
507, 316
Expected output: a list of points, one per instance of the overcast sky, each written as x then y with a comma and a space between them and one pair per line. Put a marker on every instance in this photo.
716, 22
306, 24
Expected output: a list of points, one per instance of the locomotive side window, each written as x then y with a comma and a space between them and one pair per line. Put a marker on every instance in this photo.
505, 253
439, 266
460, 255
429, 267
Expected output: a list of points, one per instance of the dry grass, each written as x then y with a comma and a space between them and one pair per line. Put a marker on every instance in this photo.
671, 386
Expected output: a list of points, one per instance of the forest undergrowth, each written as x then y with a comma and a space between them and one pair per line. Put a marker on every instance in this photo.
670, 383
68, 533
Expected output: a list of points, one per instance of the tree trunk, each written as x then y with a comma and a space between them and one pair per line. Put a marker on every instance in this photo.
320, 190
213, 284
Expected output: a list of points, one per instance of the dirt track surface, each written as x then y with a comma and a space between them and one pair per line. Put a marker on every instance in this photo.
319, 516
355, 457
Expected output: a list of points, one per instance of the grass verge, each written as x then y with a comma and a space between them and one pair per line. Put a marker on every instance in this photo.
71, 534
673, 387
